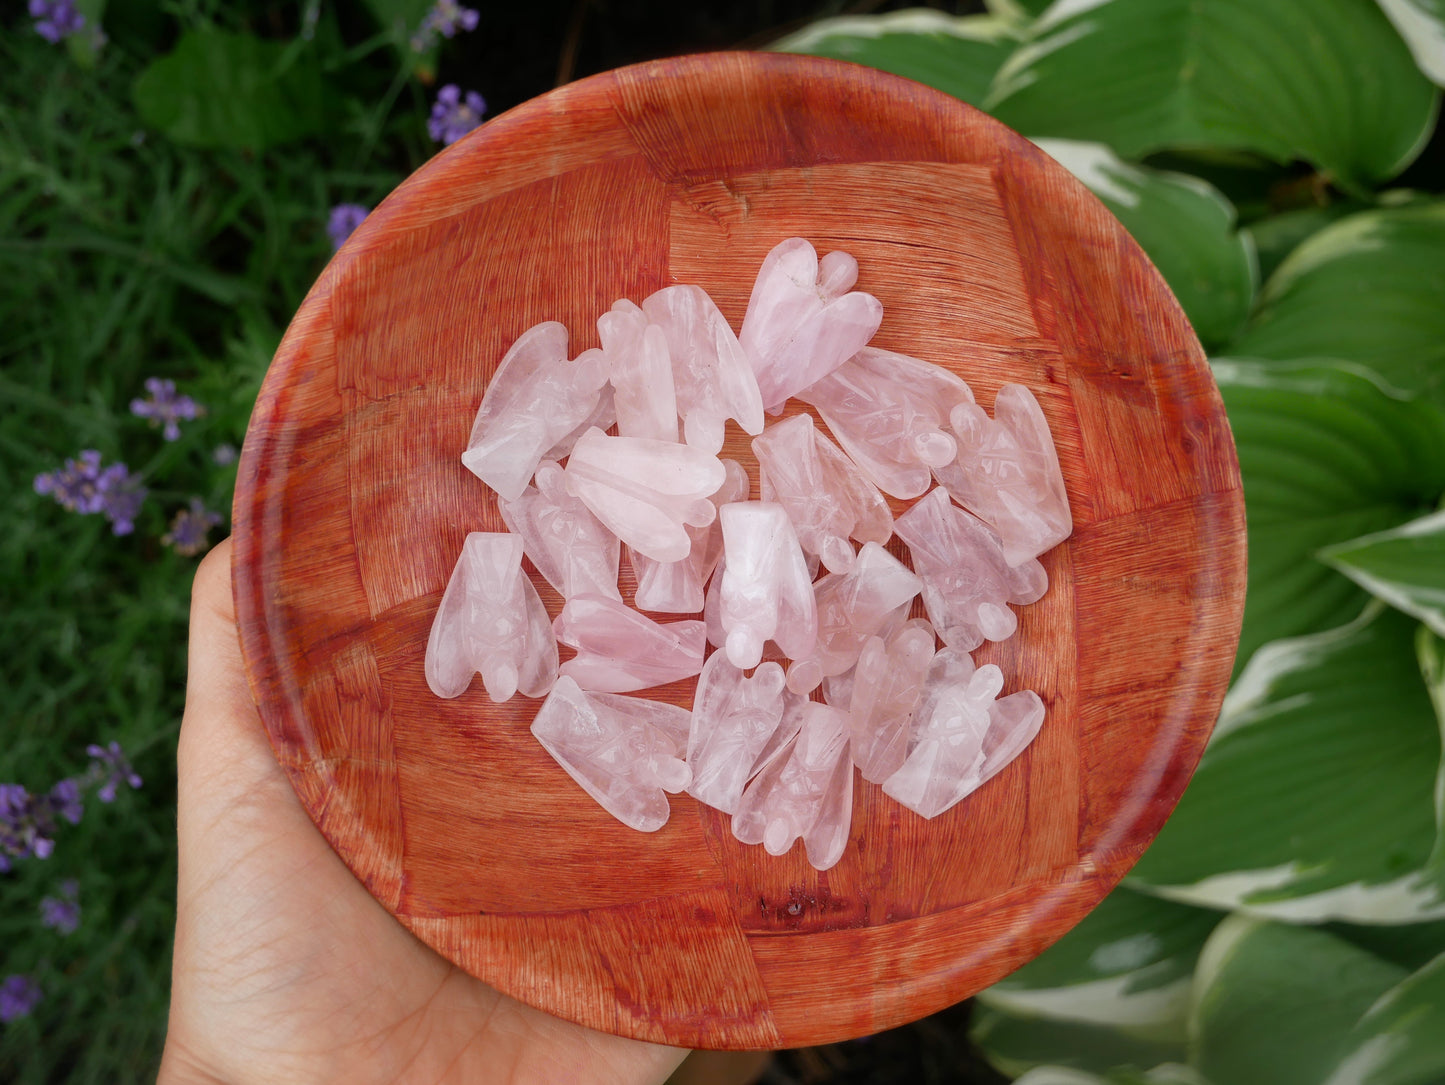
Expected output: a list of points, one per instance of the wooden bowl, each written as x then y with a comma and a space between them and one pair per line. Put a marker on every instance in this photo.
352, 506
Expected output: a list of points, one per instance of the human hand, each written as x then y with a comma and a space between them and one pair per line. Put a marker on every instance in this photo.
286, 969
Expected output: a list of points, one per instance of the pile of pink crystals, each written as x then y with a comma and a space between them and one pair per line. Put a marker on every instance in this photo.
928, 725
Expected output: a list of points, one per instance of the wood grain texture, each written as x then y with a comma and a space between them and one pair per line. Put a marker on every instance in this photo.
352, 505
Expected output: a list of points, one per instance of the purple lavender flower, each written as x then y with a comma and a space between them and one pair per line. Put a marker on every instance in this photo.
83, 486
165, 407
65, 801
453, 116
345, 218
190, 527
446, 17
224, 454
27, 824
56, 20
110, 767
18, 996
63, 912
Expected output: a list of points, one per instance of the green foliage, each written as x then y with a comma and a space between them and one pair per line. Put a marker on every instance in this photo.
1405, 565
1328, 81
216, 89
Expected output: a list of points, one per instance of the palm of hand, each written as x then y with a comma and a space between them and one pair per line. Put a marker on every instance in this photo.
285, 967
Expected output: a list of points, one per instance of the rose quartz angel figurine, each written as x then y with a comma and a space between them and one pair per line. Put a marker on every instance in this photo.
620, 650
623, 751
568, 545
733, 720
890, 413
640, 371
962, 735
802, 322
676, 587
764, 591
491, 620
887, 683
647, 493
712, 376
1007, 473
852, 607
826, 497
805, 789
535, 399
967, 584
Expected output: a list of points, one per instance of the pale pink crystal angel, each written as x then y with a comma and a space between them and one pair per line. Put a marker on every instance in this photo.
967, 583
640, 371
620, 650
676, 587
887, 683
492, 621
712, 376
805, 789
536, 399
733, 720
647, 493
890, 413
802, 322
852, 607
568, 545
764, 591
623, 751
1007, 473
827, 498
962, 737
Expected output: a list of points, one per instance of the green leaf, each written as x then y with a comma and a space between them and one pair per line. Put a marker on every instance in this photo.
1015, 1043
1328, 81
218, 89
1326, 455
1422, 24
85, 47
1409, 945
1404, 566
1167, 1074
1316, 798
1017, 11
1274, 1002
1185, 225
1367, 289
1401, 1039
1278, 235
958, 55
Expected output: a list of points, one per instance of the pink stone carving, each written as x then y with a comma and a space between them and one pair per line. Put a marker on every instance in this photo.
963, 737
603, 417
827, 498
852, 607
535, 399
805, 789
620, 650
967, 583
491, 621
568, 545
802, 322
733, 720
640, 372
712, 376
887, 683
890, 413
647, 493
676, 587
764, 592
623, 751
1007, 473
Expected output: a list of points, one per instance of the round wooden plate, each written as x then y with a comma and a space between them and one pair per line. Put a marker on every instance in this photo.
352, 506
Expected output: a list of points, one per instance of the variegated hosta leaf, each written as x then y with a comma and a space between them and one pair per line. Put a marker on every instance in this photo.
957, 54
1326, 455
1167, 1074
1367, 289
1422, 24
1404, 566
1127, 964
1401, 1038
1187, 227
1274, 1002
1317, 796
1329, 81
1015, 1044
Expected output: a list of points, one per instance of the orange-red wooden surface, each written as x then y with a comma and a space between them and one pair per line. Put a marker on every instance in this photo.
352, 507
